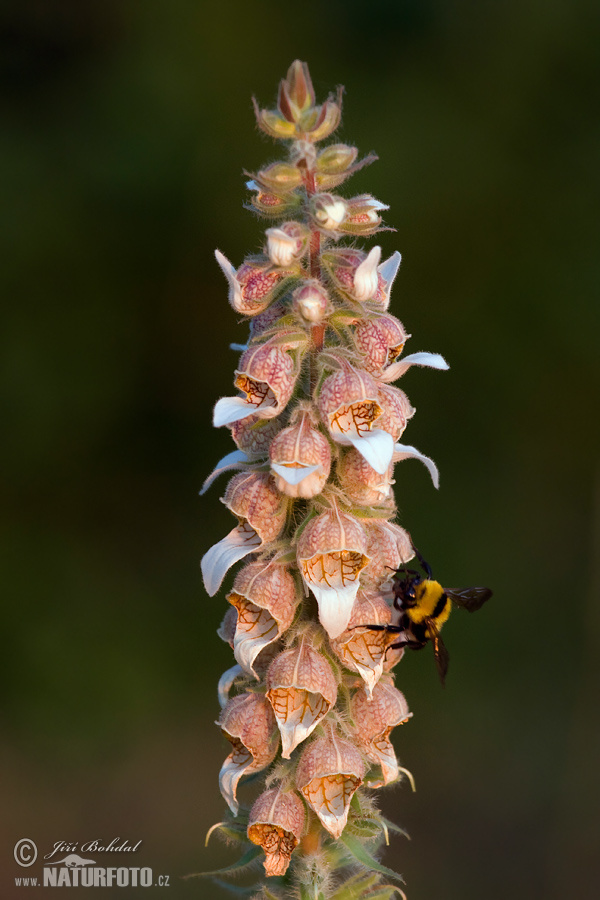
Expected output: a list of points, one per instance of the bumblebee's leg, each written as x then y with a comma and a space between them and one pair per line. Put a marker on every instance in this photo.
412, 645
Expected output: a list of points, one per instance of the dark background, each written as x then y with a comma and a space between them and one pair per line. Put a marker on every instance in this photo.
125, 129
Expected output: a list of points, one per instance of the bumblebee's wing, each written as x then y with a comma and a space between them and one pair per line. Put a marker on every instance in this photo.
469, 598
442, 657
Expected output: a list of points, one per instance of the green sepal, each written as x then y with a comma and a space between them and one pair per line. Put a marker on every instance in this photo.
391, 826
362, 855
355, 888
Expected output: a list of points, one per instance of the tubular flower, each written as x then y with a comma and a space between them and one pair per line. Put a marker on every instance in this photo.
328, 774
266, 375
381, 341
363, 649
389, 547
265, 599
375, 714
254, 285
349, 408
362, 483
331, 555
276, 824
321, 597
261, 512
248, 723
300, 459
301, 689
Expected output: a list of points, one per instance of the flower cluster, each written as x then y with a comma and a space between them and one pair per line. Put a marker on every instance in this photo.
318, 426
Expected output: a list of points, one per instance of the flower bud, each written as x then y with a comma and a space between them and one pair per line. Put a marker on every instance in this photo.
335, 159
276, 824
362, 649
253, 286
273, 205
329, 772
296, 93
331, 555
328, 211
348, 403
381, 340
287, 244
261, 511
319, 123
266, 375
301, 689
374, 716
363, 485
265, 598
389, 546
311, 301
248, 723
279, 177
300, 459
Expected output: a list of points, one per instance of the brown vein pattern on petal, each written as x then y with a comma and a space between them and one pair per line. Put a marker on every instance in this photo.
331, 555
329, 772
301, 689
348, 403
265, 598
276, 823
361, 649
253, 497
266, 375
381, 340
248, 723
374, 717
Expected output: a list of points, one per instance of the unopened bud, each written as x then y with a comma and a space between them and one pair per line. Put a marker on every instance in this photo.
311, 301
328, 211
300, 459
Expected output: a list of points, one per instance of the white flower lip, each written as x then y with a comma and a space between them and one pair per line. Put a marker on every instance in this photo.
232, 460
235, 295
431, 360
217, 561
404, 451
376, 446
365, 277
295, 473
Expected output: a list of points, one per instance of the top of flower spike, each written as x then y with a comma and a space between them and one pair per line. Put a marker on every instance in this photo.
296, 115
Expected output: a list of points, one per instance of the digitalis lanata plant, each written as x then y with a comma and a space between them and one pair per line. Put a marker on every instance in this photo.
310, 704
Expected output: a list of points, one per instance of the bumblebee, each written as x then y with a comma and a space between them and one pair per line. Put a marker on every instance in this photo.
424, 605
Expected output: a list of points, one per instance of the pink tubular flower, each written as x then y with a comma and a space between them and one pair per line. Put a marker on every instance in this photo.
329, 772
331, 555
362, 649
301, 689
261, 511
381, 340
389, 546
266, 375
300, 459
374, 715
349, 406
265, 598
253, 435
276, 824
360, 276
248, 723
395, 411
254, 285
363, 485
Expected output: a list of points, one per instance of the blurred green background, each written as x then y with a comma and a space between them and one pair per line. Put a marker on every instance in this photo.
125, 129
